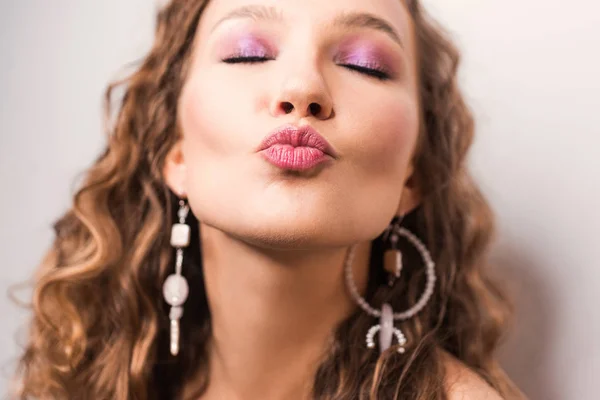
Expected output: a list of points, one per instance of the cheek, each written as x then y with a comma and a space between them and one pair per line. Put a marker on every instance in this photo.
388, 133
201, 118
383, 141
214, 143
214, 118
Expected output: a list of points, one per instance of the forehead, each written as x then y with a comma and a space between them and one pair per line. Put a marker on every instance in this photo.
313, 12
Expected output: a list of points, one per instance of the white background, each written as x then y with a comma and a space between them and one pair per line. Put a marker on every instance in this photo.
530, 72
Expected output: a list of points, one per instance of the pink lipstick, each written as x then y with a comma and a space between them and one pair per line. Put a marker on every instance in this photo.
296, 148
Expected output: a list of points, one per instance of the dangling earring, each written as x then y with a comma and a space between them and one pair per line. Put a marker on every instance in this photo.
386, 315
175, 288
392, 257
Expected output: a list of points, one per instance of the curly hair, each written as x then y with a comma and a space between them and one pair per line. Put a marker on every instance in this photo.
100, 327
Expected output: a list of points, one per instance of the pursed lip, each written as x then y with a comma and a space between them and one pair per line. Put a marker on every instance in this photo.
298, 136
296, 148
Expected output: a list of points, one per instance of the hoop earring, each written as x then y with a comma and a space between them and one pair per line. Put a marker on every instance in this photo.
175, 288
386, 315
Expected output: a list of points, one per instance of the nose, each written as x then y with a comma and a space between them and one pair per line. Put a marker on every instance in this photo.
305, 94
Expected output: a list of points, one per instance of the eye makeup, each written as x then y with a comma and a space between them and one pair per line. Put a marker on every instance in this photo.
367, 54
245, 44
250, 46
359, 53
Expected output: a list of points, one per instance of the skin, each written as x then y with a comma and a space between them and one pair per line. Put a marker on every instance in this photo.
274, 241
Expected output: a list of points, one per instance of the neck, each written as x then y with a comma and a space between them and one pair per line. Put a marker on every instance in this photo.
273, 313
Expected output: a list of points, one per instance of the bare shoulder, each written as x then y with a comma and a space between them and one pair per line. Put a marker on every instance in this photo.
462, 383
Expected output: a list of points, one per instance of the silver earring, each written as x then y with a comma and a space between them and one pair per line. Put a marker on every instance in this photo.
175, 288
386, 315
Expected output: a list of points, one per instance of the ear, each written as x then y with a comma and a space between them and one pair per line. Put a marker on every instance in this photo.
174, 170
411, 195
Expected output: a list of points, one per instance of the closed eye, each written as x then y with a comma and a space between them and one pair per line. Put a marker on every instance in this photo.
246, 60
353, 67
367, 71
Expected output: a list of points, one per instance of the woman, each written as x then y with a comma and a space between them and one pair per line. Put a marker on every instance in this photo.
283, 211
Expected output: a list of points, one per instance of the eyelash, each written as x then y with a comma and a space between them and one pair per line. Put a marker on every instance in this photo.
375, 73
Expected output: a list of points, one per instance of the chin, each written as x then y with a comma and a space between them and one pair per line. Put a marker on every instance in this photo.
291, 232
308, 220
306, 231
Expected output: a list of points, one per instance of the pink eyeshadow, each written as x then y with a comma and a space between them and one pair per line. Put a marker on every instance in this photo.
364, 53
245, 45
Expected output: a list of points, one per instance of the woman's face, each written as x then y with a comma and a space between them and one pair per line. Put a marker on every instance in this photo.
346, 68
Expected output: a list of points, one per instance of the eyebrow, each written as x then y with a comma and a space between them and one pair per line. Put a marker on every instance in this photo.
254, 12
369, 21
347, 19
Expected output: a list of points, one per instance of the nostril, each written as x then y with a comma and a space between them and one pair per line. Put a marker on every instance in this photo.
287, 107
315, 109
